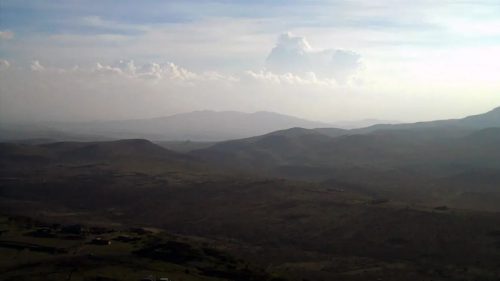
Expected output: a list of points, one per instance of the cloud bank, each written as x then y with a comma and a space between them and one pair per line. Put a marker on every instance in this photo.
127, 89
293, 54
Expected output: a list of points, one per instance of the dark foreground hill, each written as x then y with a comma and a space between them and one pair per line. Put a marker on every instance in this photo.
110, 152
355, 226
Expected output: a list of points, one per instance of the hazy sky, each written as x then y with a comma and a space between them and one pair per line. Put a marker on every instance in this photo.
322, 60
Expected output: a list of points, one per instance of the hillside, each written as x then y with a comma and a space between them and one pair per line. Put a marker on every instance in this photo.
333, 230
421, 164
384, 146
381, 149
124, 153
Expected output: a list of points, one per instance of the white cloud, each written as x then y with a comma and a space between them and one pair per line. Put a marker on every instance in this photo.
36, 66
155, 71
343, 64
293, 54
165, 71
4, 64
127, 90
308, 78
6, 34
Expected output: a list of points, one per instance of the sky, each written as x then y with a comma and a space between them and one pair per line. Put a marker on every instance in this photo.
328, 61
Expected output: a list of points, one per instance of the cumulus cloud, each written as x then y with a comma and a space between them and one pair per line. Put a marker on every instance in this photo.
155, 71
4, 64
288, 78
6, 34
343, 64
105, 69
293, 54
165, 71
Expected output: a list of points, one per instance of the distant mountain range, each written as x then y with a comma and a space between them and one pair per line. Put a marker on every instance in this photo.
449, 144
212, 126
194, 126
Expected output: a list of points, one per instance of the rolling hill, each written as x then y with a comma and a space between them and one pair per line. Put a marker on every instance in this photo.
437, 162
122, 152
447, 142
